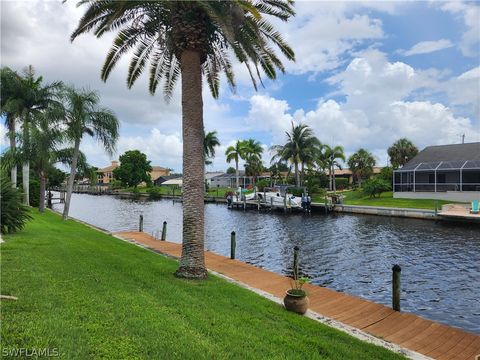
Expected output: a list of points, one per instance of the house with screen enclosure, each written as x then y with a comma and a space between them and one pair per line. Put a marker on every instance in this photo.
444, 172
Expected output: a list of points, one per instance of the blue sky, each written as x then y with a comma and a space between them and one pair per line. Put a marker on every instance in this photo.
366, 74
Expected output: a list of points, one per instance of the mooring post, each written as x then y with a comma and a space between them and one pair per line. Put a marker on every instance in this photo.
140, 223
296, 250
271, 203
258, 206
436, 207
285, 203
164, 231
326, 205
396, 289
244, 203
233, 244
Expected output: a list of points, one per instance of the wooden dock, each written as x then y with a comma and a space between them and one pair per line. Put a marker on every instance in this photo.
458, 212
407, 330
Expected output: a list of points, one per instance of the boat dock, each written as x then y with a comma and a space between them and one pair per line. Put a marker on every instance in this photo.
458, 212
270, 206
409, 331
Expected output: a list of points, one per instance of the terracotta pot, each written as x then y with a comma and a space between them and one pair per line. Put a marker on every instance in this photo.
296, 301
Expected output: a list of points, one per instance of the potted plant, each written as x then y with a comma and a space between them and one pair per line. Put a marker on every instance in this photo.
296, 299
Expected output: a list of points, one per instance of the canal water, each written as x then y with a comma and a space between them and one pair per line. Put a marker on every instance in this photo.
349, 253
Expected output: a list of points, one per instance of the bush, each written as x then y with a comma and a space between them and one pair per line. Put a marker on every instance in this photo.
154, 193
386, 174
262, 184
341, 183
375, 187
14, 214
116, 184
296, 191
34, 190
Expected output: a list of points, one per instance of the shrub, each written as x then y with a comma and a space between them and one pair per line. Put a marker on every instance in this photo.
296, 191
341, 183
386, 174
154, 193
116, 184
262, 184
375, 187
14, 214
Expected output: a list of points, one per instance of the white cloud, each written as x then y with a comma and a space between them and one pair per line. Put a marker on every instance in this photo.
376, 111
426, 47
470, 13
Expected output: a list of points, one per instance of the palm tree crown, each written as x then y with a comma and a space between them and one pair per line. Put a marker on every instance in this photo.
300, 149
361, 163
330, 158
159, 32
401, 152
210, 142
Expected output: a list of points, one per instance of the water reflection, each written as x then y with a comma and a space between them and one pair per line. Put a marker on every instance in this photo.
440, 262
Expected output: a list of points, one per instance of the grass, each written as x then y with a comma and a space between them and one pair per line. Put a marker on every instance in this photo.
386, 199
91, 295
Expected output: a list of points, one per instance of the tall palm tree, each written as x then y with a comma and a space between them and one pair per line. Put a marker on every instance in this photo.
300, 146
209, 143
235, 153
331, 158
35, 98
402, 151
190, 38
361, 163
10, 108
252, 152
84, 116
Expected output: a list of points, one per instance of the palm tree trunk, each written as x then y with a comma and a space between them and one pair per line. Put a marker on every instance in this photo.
302, 178
297, 175
192, 262
330, 178
237, 174
43, 182
71, 179
333, 180
13, 147
26, 164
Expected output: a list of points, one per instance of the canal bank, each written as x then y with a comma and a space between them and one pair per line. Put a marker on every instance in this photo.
410, 333
345, 252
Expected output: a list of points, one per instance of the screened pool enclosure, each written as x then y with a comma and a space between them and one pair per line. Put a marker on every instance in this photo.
438, 176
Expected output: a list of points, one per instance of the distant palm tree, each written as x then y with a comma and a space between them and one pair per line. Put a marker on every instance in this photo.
361, 164
235, 153
190, 38
84, 116
331, 159
252, 152
401, 152
209, 144
300, 148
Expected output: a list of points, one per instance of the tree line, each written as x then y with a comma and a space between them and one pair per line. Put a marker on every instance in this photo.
46, 123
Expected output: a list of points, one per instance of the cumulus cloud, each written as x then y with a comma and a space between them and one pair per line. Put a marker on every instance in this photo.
377, 109
470, 13
426, 47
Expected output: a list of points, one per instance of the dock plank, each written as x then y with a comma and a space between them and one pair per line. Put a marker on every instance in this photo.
407, 330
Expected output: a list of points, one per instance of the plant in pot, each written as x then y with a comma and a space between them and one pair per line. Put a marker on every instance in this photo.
296, 299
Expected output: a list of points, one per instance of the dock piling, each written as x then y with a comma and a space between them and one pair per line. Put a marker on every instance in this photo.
140, 223
164, 231
233, 244
396, 289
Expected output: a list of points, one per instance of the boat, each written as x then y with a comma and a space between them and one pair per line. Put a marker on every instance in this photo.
277, 196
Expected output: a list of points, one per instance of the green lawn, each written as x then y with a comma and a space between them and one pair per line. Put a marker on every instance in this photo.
387, 200
93, 296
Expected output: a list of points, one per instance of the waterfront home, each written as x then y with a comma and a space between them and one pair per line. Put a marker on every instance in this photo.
348, 174
446, 172
105, 175
225, 180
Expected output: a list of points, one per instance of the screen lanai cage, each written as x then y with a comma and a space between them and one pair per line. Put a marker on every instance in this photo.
438, 176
